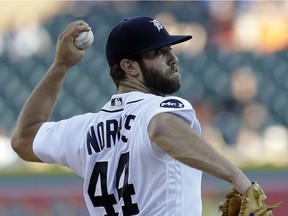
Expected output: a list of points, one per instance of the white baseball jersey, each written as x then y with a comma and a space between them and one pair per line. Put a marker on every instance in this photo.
124, 172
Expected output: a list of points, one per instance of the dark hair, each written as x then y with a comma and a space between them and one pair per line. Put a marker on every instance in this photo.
117, 73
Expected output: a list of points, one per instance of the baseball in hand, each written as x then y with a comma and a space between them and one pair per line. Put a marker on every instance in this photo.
84, 39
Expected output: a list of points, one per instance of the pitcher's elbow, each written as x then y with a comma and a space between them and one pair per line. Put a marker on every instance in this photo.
16, 146
15, 143
20, 148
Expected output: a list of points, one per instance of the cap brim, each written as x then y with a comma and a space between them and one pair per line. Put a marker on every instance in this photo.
169, 40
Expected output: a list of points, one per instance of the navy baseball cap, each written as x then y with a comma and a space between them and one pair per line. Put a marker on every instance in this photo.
138, 35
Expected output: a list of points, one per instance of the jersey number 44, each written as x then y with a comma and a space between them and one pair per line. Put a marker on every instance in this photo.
125, 191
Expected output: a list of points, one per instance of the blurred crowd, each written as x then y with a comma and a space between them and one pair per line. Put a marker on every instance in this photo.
234, 69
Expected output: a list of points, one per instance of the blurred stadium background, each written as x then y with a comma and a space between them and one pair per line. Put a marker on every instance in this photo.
234, 70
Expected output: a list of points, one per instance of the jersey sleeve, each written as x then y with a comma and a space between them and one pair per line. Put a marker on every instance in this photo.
172, 104
62, 142
177, 106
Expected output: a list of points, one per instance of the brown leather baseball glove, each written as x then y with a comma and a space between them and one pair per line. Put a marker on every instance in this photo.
249, 204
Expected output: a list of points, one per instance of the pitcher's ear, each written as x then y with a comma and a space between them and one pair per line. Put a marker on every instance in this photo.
129, 66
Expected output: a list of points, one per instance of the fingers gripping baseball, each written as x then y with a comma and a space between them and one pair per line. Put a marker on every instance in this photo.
67, 53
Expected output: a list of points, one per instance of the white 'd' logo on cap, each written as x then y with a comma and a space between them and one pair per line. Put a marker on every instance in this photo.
157, 24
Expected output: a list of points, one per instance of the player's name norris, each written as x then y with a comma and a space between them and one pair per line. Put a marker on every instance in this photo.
107, 133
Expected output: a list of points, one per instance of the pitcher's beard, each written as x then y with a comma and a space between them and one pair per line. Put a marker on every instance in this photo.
163, 83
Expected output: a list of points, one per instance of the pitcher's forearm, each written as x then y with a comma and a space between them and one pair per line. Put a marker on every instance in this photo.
41, 102
204, 157
37, 110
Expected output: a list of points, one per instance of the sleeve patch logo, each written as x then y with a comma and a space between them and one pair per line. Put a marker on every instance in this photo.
172, 103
